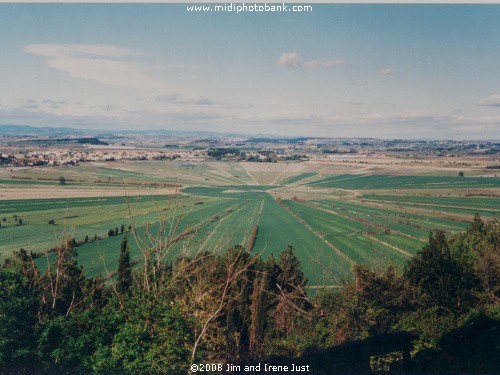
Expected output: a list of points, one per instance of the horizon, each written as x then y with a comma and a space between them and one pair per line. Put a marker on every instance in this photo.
95, 132
342, 71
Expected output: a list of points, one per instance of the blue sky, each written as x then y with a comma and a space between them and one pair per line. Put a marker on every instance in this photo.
391, 71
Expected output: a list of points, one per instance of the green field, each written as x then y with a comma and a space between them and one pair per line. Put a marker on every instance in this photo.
374, 182
298, 178
220, 203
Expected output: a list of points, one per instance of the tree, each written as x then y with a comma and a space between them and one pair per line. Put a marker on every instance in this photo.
18, 317
116, 231
461, 174
111, 233
61, 285
478, 248
62, 181
287, 283
440, 277
477, 225
122, 228
290, 277
86, 239
124, 268
154, 339
253, 236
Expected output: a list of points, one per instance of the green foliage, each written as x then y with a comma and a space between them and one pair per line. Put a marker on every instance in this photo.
289, 276
440, 277
430, 323
154, 339
478, 248
124, 280
61, 287
18, 316
237, 307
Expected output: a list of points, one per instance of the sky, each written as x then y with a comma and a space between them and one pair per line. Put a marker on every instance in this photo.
385, 71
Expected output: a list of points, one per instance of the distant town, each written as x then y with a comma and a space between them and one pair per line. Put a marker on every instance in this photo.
29, 147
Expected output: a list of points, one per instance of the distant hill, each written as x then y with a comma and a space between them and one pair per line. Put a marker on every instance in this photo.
280, 140
20, 130
83, 140
25, 130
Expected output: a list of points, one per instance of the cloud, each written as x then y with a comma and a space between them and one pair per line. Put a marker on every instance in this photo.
323, 63
292, 60
104, 118
54, 103
491, 101
180, 99
20, 116
28, 104
78, 50
474, 129
388, 71
100, 63
407, 124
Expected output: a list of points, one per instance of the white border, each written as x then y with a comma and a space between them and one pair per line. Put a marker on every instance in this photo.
250, 2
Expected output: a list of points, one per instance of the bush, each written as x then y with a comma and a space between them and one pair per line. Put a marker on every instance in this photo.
18, 316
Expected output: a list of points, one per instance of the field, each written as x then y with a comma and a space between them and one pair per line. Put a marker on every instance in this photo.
335, 214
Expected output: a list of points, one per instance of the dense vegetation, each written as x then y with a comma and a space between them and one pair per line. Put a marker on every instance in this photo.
235, 307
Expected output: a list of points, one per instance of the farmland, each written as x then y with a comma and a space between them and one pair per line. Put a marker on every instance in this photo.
359, 215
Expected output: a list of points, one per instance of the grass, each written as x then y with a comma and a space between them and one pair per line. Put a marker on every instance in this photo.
390, 213
94, 255
374, 182
79, 217
278, 229
352, 237
485, 206
297, 178
221, 204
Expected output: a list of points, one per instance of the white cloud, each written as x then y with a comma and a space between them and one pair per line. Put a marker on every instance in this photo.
54, 103
80, 50
28, 104
176, 98
408, 124
109, 72
491, 101
100, 63
388, 71
292, 60
323, 63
